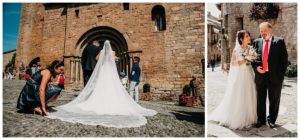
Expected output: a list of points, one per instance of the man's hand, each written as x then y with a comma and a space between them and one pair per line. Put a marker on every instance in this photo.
260, 70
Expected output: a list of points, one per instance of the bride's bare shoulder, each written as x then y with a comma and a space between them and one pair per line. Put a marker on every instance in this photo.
113, 55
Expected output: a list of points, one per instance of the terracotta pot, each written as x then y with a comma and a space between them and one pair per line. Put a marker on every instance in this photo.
190, 101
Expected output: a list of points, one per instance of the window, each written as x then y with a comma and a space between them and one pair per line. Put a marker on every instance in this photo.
239, 23
226, 24
77, 12
126, 6
159, 18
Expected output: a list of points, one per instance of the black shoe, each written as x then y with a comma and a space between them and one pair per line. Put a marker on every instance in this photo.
259, 124
271, 125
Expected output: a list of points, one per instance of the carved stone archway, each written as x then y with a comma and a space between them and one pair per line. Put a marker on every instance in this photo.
101, 33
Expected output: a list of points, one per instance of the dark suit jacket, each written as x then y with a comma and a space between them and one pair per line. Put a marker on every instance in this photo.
277, 60
88, 58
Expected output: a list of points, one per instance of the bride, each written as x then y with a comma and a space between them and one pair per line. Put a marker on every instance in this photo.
104, 101
237, 110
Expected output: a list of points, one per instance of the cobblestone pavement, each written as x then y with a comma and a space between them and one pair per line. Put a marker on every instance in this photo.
171, 121
287, 119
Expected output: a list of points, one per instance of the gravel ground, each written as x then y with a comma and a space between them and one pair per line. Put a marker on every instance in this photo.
171, 121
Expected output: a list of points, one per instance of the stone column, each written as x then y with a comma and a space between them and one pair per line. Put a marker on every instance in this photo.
129, 65
72, 74
123, 63
81, 72
76, 71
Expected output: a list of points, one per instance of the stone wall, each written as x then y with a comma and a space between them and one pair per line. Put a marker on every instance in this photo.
284, 26
185, 44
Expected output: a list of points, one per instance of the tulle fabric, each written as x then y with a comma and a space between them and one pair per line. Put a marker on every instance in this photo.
237, 109
104, 101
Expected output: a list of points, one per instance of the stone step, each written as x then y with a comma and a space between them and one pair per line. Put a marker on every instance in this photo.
215, 130
287, 128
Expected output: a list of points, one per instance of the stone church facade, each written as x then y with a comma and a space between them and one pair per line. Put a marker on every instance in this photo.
235, 17
169, 38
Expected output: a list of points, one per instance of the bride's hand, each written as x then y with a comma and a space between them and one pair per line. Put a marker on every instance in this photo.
241, 62
44, 112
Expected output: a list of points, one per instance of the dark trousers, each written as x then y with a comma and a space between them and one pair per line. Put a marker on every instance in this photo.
86, 76
273, 91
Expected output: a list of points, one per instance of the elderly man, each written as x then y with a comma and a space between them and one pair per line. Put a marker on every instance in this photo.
269, 73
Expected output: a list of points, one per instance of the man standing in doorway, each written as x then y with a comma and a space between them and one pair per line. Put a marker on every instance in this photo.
88, 60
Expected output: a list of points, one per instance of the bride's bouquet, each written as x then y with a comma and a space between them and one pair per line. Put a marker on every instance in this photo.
250, 55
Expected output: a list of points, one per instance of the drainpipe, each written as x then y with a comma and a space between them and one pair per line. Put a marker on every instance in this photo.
65, 38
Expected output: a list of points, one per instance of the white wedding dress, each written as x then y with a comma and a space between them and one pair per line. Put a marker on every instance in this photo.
104, 101
237, 110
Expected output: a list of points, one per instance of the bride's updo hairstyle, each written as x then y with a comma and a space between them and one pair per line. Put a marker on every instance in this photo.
240, 35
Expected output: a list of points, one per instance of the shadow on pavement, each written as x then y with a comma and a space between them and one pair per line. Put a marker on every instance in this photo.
195, 117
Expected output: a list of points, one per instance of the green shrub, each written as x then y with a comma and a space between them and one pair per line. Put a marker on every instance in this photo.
291, 71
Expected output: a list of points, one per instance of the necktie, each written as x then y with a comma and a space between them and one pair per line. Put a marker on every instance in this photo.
265, 55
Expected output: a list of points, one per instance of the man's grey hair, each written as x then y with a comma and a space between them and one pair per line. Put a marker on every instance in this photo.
265, 24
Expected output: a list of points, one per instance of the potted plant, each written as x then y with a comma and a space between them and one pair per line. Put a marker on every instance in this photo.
185, 99
291, 71
182, 99
264, 11
146, 88
147, 95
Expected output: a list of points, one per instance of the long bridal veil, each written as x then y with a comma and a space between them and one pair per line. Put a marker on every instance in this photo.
104, 101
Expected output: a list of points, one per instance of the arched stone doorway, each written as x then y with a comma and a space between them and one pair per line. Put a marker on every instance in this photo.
101, 33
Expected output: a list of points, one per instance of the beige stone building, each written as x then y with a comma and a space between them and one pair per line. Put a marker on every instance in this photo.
213, 36
7, 57
168, 37
235, 17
